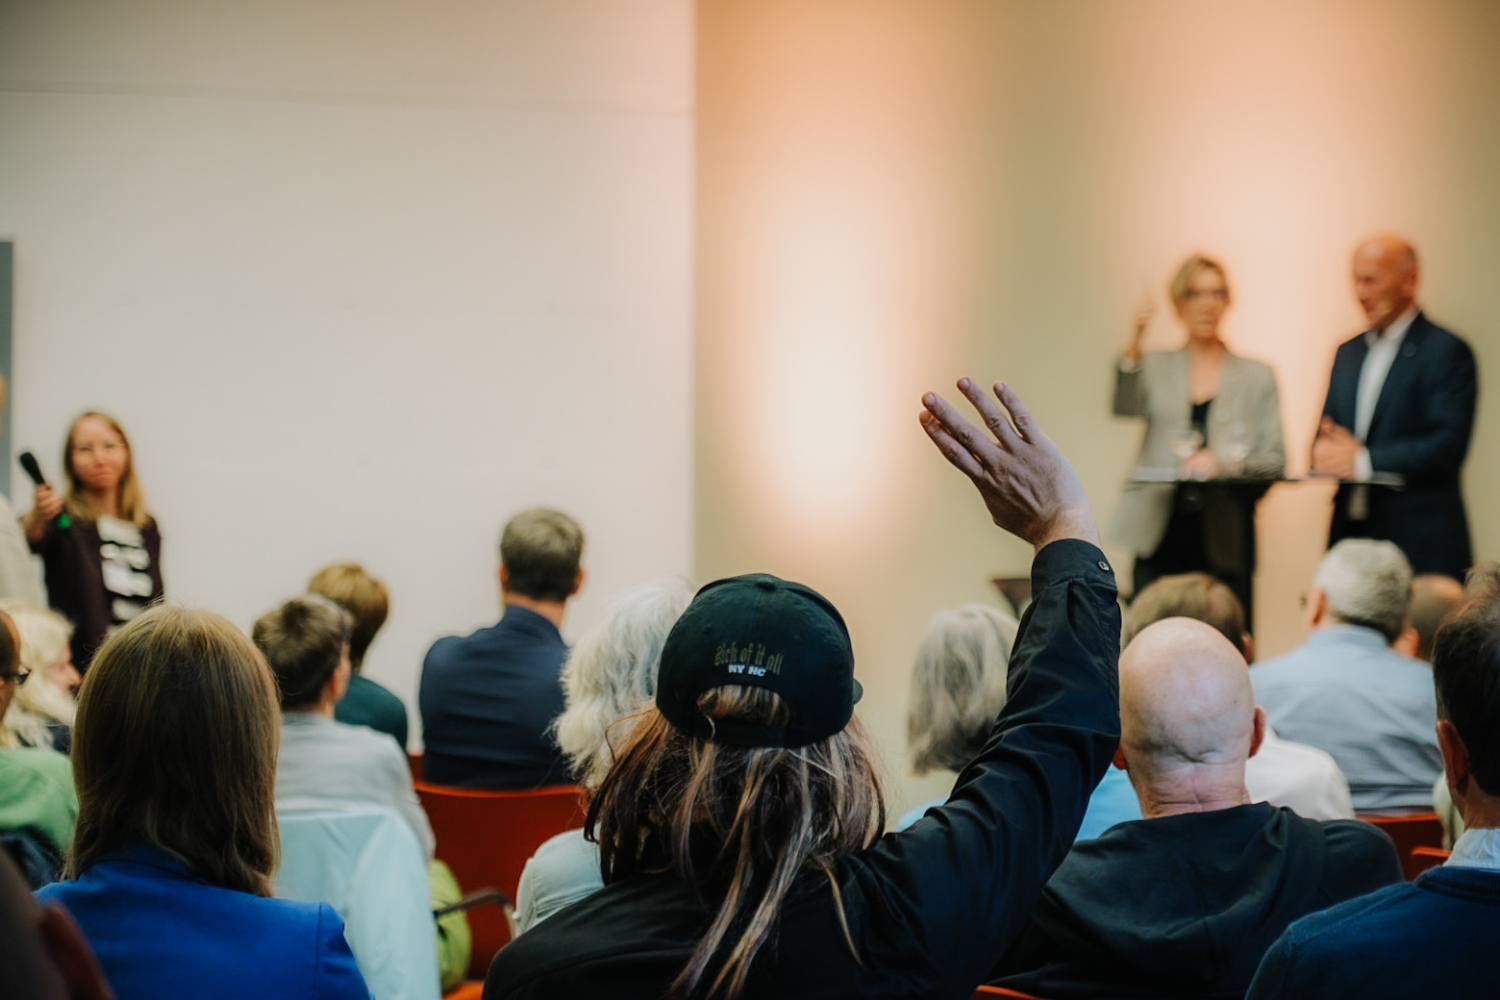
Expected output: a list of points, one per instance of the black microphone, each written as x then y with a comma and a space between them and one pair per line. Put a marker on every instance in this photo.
34, 470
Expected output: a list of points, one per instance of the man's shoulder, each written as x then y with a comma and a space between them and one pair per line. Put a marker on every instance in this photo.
1358, 845
38, 763
1368, 922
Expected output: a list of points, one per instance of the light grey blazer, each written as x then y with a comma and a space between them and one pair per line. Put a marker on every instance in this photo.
1158, 391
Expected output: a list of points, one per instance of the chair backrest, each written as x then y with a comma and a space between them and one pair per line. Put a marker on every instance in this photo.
486, 838
368, 864
999, 991
1423, 858
1410, 831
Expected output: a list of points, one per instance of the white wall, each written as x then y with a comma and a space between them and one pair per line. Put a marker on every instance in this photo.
361, 280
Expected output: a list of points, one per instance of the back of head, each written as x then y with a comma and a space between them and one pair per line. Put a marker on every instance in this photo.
1433, 598
611, 674
541, 550
1185, 699
303, 641
749, 785
175, 747
1188, 595
1466, 674
1367, 583
365, 598
958, 686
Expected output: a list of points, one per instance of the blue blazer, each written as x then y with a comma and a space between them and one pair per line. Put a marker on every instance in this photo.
488, 701
1423, 420
161, 933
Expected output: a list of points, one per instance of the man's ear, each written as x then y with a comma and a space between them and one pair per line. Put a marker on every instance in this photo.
504, 579
71, 957
577, 582
1248, 642
1257, 731
1456, 764
1317, 608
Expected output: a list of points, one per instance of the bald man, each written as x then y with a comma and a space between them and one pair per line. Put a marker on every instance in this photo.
1400, 402
1185, 901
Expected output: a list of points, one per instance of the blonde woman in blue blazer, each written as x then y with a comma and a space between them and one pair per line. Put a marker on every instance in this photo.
1209, 413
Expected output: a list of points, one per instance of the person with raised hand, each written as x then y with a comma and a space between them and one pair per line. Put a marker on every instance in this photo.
740, 825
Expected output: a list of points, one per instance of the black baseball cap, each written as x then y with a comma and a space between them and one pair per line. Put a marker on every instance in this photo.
766, 632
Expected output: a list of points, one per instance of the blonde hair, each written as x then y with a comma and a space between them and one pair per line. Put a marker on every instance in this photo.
773, 814
132, 500
175, 746
366, 598
39, 703
1189, 270
958, 686
611, 674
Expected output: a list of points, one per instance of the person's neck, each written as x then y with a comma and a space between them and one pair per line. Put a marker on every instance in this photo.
1480, 811
1198, 788
1395, 317
1208, 349
104, 501
550, 610
323, 708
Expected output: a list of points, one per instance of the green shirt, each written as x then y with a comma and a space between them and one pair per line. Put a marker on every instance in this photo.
37, 795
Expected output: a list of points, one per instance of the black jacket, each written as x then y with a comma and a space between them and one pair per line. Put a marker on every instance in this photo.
930, 909
1186, 906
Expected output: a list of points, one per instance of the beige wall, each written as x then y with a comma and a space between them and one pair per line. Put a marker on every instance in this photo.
895, 192
362, 281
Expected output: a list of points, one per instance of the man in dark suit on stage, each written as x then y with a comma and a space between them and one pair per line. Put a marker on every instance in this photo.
1400, 402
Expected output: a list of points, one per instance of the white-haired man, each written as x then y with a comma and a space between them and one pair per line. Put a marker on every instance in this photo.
1431, 937
1346, 691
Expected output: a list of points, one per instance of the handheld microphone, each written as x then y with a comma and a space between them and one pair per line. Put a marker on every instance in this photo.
34, 470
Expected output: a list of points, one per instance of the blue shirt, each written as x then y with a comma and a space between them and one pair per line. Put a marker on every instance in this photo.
1346, 691
160, 932
487, 702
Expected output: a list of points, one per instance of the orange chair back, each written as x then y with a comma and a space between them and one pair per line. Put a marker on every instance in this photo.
1409, 832
999, 991
1423, 858
486, 837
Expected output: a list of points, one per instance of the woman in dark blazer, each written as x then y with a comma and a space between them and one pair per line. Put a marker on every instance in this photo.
1209, 413
104, 567
174, 755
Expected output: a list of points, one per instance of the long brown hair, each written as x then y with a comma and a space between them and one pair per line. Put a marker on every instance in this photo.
175, 746
132, 500
773, 815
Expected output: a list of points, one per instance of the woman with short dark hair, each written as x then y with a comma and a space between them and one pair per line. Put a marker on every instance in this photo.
174, 754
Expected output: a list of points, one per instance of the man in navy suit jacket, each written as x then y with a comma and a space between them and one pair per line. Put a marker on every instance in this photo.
1400, 401
488, 699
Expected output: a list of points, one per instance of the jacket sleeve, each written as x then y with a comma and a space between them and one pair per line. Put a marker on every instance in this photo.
1130, 390
952, 891
338, 976
1268, 452
1435, 437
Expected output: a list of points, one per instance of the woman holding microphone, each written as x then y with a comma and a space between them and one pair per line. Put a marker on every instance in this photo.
1209, 414
104, 567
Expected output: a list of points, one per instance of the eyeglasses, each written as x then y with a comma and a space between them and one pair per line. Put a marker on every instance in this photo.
19, 677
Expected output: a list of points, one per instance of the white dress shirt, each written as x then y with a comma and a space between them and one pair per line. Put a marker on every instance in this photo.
1382, 348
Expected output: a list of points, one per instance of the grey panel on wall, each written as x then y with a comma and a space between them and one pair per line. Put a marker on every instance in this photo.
7, 261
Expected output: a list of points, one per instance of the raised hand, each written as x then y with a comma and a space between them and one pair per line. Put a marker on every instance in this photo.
1027, 483
1143, 315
